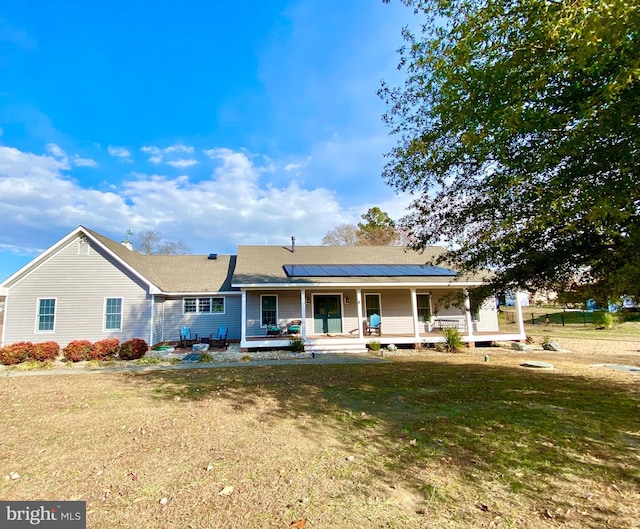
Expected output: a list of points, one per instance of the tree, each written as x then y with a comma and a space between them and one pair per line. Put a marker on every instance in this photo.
378, 230
342, 235
518, 129
150, 242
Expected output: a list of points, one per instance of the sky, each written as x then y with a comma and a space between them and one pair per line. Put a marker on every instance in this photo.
215, 123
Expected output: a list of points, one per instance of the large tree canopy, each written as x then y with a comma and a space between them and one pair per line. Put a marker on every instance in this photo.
518, 132
378, 230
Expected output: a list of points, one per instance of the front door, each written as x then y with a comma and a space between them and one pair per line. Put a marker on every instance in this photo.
327, 317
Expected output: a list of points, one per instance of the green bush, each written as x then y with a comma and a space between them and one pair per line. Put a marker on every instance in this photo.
78, 350
206, 357
105, 349
296, 345
452, 340
374, 345
602, 320
16, 353
45, 351
133, 349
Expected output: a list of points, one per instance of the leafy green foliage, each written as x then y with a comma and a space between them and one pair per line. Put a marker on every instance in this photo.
452, 340
518, 130
602, 320
296, 345
379, 229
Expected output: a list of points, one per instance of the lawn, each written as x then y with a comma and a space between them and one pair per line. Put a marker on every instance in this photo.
428, 441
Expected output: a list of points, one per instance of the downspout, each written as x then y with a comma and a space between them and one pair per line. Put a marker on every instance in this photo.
4, 321
153, 319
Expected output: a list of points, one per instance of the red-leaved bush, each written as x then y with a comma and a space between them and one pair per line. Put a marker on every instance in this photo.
78, 350
45, 351
105, 349
133, 349
16, 353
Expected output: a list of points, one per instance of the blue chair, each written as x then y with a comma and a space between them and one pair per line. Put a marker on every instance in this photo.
374, 325
221, 338
186, 338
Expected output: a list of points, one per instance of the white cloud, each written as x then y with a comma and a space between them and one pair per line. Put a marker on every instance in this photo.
292, 166
55, 150
84, 162
179, 148
156, 159
150, 149
182, 163
119, 152
40, 202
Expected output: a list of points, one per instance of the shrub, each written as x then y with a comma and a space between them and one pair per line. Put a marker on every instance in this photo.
602, 320
16, 353
296, 345
374, 345
78, 350
45, 351
206, 357
133, 349
105, 349
452, 340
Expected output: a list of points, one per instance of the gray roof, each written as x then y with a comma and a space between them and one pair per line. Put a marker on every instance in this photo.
260, 265
176, 273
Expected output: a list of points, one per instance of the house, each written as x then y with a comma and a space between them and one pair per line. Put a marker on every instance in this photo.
87, 286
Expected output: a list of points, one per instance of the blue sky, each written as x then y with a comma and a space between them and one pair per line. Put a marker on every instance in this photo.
214, 123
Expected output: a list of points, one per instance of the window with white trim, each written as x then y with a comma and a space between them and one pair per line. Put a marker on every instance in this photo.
424, 307
372, 305
268, 310
46, 314
203, 305
113, 314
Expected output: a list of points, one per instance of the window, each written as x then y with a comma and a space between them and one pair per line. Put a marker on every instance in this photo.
424, 307
269, 310
113, 314
203, 306
372, 304
46, 314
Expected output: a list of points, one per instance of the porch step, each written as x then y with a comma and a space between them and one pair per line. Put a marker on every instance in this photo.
335, 348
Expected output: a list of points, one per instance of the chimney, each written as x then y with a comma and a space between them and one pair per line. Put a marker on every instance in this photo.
293, 244
127, 245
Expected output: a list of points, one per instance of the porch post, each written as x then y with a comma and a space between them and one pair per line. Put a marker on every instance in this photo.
303, 312
521, 331
467, 313
414, 312
359, 310
243, 315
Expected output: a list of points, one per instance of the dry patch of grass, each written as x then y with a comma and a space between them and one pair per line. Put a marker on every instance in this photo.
438, 441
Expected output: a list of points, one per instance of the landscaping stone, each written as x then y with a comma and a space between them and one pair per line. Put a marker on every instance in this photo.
551, 346
517, 346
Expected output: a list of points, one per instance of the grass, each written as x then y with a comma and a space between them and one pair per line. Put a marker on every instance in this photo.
438, 441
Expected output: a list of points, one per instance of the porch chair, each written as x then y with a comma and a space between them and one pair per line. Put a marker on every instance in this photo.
294, 327
186, 338
221, 338
374, 325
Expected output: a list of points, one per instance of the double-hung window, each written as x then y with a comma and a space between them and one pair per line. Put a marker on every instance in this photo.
113, 314
424, 307
268, 310
203, 305
46, 315
372, 305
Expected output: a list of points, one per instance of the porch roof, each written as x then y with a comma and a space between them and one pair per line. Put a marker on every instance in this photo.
262, 266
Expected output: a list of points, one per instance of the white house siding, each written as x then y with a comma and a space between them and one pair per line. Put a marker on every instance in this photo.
201, 324
80, 284
396, 315
488, 317
158, 321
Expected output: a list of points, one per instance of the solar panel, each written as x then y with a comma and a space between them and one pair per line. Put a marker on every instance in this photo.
366, 270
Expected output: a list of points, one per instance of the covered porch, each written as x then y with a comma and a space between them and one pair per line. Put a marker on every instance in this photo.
336, 319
